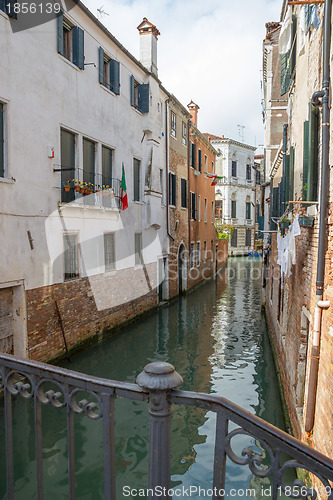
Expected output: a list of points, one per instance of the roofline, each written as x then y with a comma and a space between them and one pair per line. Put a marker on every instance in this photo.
173, 98
203, 138
232, 141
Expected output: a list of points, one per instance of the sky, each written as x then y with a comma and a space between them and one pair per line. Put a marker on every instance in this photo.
209, 51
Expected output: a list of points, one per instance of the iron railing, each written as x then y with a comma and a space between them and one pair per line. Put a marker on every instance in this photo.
156, 385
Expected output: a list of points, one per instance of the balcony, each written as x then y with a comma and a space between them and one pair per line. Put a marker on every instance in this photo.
248, 222
271, 453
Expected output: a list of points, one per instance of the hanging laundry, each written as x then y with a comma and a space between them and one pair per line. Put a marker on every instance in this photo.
285, 34
287, 247
302, 30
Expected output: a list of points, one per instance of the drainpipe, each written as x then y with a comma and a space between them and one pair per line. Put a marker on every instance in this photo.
167, 164
324, 186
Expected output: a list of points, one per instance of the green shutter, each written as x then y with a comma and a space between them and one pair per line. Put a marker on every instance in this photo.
61, 33
114, 76
312, 194
291, 173
193, 155
2, 5
143, 97
287, 181
305, 159
132, 90
285, 73
2, 139
293, 45
101, 66
78, 47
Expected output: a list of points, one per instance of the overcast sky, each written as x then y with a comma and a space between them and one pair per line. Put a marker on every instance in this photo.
209, 51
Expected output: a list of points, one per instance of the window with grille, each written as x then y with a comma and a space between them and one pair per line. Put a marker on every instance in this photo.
137, 179
138, 248
71, 256
109, 251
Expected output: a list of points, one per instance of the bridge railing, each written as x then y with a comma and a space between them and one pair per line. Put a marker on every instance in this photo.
62, 388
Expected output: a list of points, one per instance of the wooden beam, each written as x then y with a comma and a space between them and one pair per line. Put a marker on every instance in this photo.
303, 2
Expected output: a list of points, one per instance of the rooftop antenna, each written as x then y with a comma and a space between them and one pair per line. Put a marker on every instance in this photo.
102, 12
241, 131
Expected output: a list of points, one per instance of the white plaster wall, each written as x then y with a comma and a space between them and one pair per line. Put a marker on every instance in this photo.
44, 92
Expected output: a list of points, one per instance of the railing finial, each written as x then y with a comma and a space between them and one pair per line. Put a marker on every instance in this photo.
159, 376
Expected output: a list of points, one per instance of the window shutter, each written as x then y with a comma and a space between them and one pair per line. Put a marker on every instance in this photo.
183, 193
287, 180
170, 189
2, 5
101, 66
293, 45
143, 97
200, 160
313, 153
193, 155
174, 187
280, 204
10, 4
61, 33
132, 90
114, 77
305, 159
2, 166
78, 47
285, 72
291, 173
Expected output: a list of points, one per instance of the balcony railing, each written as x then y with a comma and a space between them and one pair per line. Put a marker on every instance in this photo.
63, 389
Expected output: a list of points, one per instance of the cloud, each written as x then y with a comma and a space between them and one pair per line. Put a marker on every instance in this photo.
209, 51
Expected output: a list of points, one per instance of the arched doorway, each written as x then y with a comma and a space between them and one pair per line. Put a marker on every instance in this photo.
182, 278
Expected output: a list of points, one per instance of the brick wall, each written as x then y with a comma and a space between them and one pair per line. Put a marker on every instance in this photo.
88, 307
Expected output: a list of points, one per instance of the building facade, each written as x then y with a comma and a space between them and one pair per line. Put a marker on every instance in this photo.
235, 191
298, 258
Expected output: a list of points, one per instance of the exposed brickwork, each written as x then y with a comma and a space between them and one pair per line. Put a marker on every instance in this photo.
293, 344
83, 315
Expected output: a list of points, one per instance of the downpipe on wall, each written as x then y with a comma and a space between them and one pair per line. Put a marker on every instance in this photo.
324, 95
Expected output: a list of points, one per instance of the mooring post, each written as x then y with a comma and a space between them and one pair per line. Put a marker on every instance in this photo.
159, 378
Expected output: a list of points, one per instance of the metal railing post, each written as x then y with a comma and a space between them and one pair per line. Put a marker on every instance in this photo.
159, 378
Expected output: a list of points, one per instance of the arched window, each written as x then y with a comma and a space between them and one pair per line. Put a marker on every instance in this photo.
234, 166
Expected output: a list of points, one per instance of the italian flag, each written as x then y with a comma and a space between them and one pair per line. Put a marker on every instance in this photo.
124, 200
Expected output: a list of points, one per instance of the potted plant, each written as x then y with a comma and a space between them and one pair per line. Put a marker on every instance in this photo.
77, 186
67, 184
105, 190
82, 188
90, 188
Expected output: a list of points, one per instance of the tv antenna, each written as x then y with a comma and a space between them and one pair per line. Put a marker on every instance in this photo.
241, 131
102, 12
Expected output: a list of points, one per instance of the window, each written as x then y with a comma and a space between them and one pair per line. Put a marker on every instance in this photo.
288, 60
184, 133
88, 161
2, 141
193, 206
213, 167
67, 147
212, 211
192, 155
198, 253
162, 186
258, 176
233, 209
234, 168
248, 237
310, 157
212, 249
248, 210
138, 248
139, 95
218, 209
234, 238
70, 41
109, 251
71, 256
107, 156
200, 160
199, 208
206, 163
205, 209
109, 72
173, 124
172, 188
192, 255
248, 172
137, 179
205, 250
183, 186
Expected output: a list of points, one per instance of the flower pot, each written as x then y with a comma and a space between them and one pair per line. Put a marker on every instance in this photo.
67, 188
89, 191
77, 188
82, 190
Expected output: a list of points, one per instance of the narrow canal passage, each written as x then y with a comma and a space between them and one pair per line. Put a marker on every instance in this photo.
217, 340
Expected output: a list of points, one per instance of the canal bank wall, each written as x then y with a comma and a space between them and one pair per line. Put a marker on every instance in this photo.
67, 317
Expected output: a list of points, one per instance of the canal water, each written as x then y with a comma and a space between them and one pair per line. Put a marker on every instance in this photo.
217, 340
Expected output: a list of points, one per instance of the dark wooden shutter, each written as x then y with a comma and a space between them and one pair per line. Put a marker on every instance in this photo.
193, 155
2, 5
233, 242
313, 153
101, 66
114, 76
291, 173
2, 139
132, 90
10, 4
287, 181
174, 189
200, 160
61, 33
305, 159
281, 204
143, 97
78, 47
285, 72
67, 146
183, 193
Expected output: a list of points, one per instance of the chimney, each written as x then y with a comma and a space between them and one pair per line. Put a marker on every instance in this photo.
193, 108
148, 45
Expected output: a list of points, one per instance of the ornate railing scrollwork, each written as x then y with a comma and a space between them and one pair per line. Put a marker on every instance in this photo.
19, 383
299, 488
56, 398
92, 409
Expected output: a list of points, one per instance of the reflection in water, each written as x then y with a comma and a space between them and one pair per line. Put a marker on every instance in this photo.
216, 338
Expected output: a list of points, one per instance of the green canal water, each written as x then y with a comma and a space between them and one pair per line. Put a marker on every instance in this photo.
217, 340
